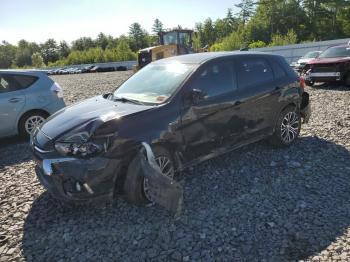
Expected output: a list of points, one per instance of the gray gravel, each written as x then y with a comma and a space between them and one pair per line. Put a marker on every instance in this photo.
254, 204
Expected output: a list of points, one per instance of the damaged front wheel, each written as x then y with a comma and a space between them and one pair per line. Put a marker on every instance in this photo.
136, 187
165, 163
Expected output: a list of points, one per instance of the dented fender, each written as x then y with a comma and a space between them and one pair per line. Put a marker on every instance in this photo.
163, 190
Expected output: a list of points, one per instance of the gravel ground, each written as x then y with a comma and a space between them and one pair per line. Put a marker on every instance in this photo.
254, 204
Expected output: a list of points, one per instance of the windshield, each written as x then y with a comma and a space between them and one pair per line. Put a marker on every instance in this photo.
170, 38
312, 54
155, 83
340, 51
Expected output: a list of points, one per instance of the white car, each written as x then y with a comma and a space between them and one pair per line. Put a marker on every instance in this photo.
300, 64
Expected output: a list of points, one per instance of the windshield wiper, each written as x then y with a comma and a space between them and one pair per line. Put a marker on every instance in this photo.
127, 100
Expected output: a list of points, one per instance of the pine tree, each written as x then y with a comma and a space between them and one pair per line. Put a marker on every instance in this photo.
246, 10
157, 26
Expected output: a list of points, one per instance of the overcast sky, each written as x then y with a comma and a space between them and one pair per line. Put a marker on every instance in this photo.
38, 20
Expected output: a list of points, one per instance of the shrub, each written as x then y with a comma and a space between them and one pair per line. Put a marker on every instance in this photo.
257, 44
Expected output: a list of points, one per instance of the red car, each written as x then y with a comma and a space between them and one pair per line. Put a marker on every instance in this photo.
333, 65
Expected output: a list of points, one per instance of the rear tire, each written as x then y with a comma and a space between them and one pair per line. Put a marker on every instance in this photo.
309, 83
29, 121
287, 128
134, 185
347, 80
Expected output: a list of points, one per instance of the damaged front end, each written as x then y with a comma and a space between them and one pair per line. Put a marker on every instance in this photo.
74, 166
82, 165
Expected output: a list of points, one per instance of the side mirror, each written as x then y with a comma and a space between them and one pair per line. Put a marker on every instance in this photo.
197, 95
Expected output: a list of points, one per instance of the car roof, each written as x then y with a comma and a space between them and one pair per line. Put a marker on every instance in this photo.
200, 58
31, 72
346, 46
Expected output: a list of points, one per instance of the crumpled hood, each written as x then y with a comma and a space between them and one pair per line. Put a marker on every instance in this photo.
329, 60
97, 108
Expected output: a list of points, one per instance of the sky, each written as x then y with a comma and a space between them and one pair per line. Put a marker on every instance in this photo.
38, 20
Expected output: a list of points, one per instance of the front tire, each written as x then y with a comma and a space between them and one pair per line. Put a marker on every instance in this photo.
29, 121
287, 127
135, 186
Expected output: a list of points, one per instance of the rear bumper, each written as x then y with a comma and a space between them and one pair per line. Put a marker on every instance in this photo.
52, 108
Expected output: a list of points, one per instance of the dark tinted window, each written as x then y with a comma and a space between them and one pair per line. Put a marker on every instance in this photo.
252, 71
215, 79
7, 84
278, 70
10, 82
24, 81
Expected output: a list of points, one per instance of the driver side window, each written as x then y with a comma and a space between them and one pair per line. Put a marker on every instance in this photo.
215, 79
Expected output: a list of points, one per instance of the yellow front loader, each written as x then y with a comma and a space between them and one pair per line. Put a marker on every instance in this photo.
171, 43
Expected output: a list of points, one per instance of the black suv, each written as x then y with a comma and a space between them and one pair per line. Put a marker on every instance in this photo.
187, 108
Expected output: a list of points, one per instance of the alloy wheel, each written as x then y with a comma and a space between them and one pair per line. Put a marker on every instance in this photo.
32, 122
290, 127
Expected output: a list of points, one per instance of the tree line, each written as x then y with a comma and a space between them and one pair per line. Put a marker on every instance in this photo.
256, 24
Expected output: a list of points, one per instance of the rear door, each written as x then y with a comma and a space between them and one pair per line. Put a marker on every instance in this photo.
12, 101
259, 94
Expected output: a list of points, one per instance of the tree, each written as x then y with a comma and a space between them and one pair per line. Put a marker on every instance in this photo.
7, 54
37, 60
138, 37
102, 41
112, 42
124, 53
63, 49
232, 42
83, 43
209, 34
288, 39
222, 28
229, 17
23, 55
344, 21
196, 42
246, 10
157, 26
49, 51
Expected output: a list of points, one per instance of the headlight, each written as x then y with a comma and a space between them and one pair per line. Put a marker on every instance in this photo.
80, 143
87, 149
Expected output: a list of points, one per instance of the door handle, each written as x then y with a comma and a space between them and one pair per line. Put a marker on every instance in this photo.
14, 99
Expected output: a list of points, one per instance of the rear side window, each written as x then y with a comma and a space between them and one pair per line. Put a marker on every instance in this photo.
215, 79
7, 84
253, 71
25, 81
278, 70
10, 82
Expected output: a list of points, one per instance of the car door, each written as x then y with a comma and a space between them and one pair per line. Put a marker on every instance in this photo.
12, 101
258, 94
206, 123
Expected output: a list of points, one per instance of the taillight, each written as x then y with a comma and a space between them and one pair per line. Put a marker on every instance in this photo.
302, 82
57, 90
